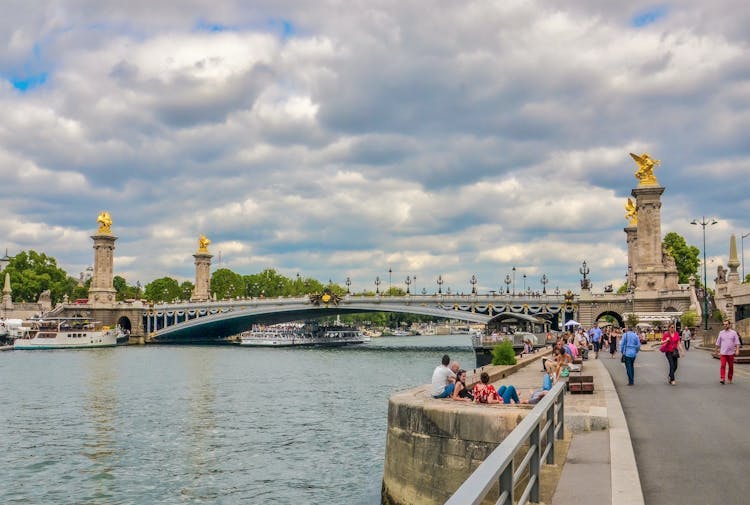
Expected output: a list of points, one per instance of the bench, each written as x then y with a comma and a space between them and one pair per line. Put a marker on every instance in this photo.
581, 384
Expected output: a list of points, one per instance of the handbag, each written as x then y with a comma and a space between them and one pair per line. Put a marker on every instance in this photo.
676, 353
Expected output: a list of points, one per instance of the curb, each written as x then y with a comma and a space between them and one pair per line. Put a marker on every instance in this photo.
626, 483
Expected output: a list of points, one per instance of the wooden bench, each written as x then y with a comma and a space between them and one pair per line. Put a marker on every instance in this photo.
581, 384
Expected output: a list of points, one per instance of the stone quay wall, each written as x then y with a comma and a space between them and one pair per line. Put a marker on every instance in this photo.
432, 446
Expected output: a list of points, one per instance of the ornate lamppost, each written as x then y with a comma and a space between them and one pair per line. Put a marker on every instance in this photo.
348, 283
408, 282
377, 285
440, 284
507, 284
389, 280
584, 270
473, 284
703, 223
524, 282
514, 280
545, 280
414, 278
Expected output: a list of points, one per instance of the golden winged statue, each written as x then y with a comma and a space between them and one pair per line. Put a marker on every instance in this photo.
203, 244
105, 222
645, 172
631, 213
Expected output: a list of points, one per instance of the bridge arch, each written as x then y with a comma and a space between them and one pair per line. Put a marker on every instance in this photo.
124, 323
617, 316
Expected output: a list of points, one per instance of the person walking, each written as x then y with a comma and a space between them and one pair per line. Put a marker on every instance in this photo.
596, 337
612, 342
686, 336
630, 346
672, 349
728, 346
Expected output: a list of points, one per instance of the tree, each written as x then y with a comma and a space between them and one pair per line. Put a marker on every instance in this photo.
689, 319
186, 289
503, 354
686, 256
227, 284
631, 320
32, 272
164, 289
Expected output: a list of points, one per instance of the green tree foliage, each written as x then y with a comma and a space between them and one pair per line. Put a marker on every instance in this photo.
186, 288
689, 319
631, 321
685, 256
227, 284
164, 289
503, 354
124, 291
32, 272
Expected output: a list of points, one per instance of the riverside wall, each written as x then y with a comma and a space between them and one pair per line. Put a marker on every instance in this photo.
432, 446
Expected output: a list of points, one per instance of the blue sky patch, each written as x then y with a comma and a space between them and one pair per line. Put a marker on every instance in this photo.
28, 82
205, 26
648, 17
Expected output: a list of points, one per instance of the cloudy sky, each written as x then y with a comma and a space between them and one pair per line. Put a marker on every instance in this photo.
343, 139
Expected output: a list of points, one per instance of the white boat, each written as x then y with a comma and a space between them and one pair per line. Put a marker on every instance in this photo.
63, 333
294, 335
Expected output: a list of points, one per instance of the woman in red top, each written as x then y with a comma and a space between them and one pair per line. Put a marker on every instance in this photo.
672, 349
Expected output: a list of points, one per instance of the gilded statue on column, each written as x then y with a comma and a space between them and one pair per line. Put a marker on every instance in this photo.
631, 213
105, 222
645, 172
203, 244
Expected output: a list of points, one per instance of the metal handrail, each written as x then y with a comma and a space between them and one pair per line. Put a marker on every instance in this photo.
546, 420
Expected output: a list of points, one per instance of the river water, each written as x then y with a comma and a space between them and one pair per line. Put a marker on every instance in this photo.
170, 424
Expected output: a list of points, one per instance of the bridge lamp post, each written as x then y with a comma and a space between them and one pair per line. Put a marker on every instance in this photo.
408, 283
524, 282
389, 280
377, 285
414, 278
507, 284
473, 284
514, 281
440, 284
742, 242
545, 280
348, 283
703, 223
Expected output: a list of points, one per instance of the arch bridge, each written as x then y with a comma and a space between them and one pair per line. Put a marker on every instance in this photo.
207, 321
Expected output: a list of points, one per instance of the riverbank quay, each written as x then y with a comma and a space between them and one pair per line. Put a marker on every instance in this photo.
433, 445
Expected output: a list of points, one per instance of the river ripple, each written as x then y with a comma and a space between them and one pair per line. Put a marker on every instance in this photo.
168, 424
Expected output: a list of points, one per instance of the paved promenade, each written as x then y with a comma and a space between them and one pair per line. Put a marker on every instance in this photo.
600, 468
691, 440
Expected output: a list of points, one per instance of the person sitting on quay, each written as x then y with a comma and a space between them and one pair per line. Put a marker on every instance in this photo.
443, 379
484, 392
460, 392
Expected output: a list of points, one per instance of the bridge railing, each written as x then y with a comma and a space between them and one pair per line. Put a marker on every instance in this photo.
539, 428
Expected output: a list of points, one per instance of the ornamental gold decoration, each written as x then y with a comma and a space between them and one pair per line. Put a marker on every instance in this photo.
203, 244
105, 222
645, 172
326, 297
631, 213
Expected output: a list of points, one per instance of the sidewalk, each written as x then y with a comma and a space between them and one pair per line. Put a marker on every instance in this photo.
600, 439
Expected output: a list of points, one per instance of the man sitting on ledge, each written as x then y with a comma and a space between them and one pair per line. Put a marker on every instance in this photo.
443, 379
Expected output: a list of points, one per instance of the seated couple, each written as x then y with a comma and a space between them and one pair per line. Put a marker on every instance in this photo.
484, 392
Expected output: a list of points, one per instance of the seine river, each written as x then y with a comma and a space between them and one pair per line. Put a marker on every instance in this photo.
169, 424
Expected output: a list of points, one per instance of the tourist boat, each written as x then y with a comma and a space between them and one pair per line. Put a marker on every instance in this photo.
63, 333
296, 335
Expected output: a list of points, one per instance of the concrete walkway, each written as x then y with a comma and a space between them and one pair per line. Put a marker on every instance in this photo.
600, 467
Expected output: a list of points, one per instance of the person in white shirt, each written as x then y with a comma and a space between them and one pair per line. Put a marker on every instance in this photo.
443, 379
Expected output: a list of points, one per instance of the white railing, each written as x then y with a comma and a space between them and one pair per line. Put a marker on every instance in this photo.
498, 470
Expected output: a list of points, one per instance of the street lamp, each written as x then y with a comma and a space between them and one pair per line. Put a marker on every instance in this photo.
545, 280
473, 284
408, 282
703, 223
414, 278
440, 284
507, 284
377, 285
524, 282
389, 280
742, 241
348, 283
514, 281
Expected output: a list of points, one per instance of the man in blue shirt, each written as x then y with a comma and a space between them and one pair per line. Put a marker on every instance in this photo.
596, 337
630, 345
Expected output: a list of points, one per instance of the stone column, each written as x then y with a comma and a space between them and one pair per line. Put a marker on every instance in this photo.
631, 232
102, 291
202, 290
648, 203
7, 300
